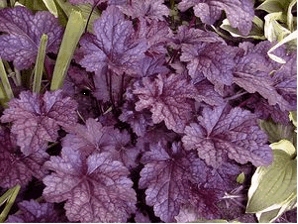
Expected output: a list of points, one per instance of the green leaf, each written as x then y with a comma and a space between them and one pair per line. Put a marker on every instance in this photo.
273, 29
290, 18
290, 38
51, 6
285, 146
277, 132
272, 6
266, 217
293, 117
2, 94
39, 65
65, 6
256, 32
74, 30
274, 187
88, 12
272, 215
3, 4
5, 82
10, 197
35, 5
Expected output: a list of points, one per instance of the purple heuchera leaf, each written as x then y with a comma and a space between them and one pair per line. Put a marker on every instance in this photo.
96, 188
224, 132
21, 32
207, 93
265, 111
32, 211
153, 66
166, 176
192, 36
16, 168
113, 44
93, 2
211, 60
285, 81
146, 9
36, 118
94, 137
253, 73
157, 35
168, 98
139, 121
239, 12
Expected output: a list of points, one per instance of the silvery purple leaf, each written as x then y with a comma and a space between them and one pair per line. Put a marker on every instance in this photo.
253, 73
211, 60
113, 45
147, 9
224, 132
96, 188
33, 211
16, 168
36, 118
166, 175
168, 98
21, 31
240, 13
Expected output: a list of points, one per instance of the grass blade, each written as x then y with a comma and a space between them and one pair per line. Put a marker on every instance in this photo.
13, 195
51, 6
5, 81
39, 65
73, 31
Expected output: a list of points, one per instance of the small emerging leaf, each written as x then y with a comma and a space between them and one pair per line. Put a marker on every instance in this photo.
241, 178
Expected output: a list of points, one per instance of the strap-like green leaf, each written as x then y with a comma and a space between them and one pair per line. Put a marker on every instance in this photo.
10, 198
74, 30
39, 65
51, 6
5, 81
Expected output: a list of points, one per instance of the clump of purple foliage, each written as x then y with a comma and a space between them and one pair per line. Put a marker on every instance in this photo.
155, 119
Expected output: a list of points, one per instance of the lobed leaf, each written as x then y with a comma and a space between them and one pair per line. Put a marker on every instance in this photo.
233, 133
239, 12
21, 33
96, 188
36, 118
112, 46
168, 98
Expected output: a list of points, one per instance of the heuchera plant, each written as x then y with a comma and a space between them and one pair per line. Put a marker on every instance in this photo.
163, 114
